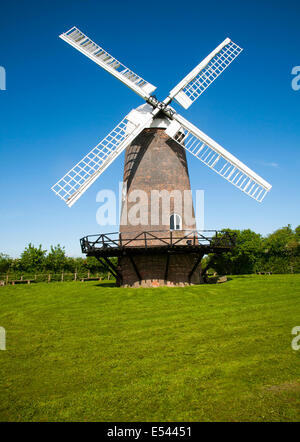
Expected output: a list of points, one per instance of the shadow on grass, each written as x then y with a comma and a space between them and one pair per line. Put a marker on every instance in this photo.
229, 278
106, 284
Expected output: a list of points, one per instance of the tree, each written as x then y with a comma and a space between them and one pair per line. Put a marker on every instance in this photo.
297, 233
16, 266
93, 265
33, 258
276, 242
282, 250
241, 259
292, 250
5, 262
56, 259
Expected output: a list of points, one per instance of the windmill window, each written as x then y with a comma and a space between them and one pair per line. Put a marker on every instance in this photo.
175, 222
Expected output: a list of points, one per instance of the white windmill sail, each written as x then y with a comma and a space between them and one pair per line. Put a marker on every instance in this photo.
84, 44
75, 182
217, 158
198, 80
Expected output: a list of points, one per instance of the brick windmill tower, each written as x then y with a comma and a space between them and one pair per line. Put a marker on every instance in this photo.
158, 243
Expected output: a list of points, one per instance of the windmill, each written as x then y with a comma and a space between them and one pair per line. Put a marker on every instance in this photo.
156, 138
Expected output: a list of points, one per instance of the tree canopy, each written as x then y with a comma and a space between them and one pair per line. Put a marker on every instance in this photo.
278, 252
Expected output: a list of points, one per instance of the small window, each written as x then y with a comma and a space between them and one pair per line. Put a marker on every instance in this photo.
175, 222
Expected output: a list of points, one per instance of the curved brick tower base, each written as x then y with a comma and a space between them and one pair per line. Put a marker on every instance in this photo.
156, 162
152, 270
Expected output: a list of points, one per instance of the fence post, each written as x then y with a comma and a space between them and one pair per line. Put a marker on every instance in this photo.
49, 277
62, 276
108, 275
21, 278
7, 278
75, 276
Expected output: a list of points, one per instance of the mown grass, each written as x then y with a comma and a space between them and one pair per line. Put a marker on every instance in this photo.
89, 351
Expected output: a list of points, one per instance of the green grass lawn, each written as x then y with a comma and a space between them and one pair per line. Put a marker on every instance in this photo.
90, 351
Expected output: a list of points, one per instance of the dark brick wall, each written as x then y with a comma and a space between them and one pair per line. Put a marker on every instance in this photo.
152, 270
155, 161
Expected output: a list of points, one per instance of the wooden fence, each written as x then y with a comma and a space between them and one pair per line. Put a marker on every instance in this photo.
28, 278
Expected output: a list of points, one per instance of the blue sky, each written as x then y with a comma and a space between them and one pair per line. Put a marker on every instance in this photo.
58, 105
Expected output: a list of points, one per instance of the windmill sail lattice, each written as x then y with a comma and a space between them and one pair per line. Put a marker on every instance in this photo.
84, 44
75, 182
198, 80
217, 158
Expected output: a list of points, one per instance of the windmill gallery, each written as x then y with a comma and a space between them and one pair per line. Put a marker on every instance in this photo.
155, 139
